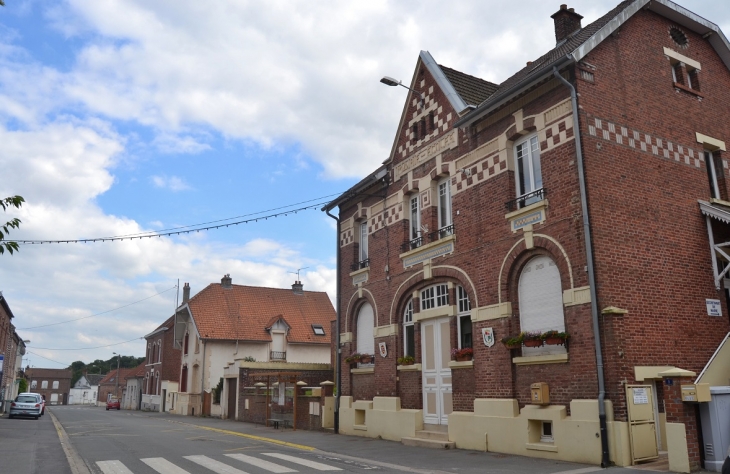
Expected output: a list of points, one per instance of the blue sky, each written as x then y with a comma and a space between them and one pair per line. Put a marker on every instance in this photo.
124, 117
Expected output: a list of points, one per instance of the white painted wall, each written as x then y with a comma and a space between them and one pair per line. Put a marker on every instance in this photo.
308, 353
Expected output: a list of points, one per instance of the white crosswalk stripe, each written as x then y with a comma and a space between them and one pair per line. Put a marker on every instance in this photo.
304, 462
262, 463
215, 466
163, 466
113, 467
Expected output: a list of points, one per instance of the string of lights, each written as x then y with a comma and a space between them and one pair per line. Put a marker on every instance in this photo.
176, 231
97, 314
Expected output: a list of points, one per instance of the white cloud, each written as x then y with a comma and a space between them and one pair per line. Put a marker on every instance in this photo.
173, 183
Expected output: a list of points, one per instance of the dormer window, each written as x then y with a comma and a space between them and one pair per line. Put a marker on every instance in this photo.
318, 329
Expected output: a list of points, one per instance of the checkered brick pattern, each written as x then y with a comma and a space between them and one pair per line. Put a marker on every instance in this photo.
443, 122
347, 237
390, 216
644, 142
557, 134
480, 171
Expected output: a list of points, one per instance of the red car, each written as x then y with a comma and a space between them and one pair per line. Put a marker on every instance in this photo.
113, 404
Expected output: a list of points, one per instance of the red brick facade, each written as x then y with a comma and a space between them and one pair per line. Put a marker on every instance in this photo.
162, 360
644, 172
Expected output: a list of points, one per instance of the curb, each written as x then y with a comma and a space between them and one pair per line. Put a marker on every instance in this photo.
75, 462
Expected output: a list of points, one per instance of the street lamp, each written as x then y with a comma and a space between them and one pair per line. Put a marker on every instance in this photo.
389, 81
116, 388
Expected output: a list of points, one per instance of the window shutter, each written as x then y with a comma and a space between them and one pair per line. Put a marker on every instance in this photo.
541, 299
365, 333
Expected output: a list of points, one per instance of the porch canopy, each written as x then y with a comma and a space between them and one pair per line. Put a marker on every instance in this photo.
717, 210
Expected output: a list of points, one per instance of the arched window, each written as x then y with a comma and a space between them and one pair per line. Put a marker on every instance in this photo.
185, 343
409, 337
541, 301
159, 351
365, 325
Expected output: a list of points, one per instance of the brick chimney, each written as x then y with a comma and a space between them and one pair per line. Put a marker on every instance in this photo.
298, 288
186, 292
567, 21
226, 281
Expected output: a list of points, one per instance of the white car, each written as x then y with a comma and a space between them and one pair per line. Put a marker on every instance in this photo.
26, 404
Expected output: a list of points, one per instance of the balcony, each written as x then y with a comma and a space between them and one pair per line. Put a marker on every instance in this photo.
360, 265
411, 244
526, 200
277, 356
442, 232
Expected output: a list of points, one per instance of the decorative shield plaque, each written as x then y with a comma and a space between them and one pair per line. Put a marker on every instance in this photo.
383, 349
488, 336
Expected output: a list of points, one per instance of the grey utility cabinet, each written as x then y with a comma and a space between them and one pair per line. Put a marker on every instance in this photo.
715, 417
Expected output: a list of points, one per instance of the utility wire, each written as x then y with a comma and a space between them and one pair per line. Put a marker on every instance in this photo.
179, 230
57, 362
87, 348
97, 314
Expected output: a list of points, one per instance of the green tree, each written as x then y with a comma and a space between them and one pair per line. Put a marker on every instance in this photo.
16, 201
23, 384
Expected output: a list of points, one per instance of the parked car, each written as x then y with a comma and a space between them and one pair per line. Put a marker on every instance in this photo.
43, 407
26, 404
113, 404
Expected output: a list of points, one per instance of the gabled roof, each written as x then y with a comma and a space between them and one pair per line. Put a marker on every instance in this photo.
243, 313
162, 327
110, 378
94, 379
137, 372
579, 45
472, 90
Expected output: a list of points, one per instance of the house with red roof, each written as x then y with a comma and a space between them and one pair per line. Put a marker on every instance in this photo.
226, 325
161, 375
113, 385
133, 386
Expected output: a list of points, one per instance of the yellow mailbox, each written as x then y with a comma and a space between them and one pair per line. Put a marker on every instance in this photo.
540, 394
696, 392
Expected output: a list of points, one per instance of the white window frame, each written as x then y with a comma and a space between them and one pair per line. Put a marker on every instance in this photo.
444, 206
159, 350
54, 385
365, 333
435, 296
408, 323
463, 307
363, 241
712, 174
415, 213
33, 384
545, 313
44, 384
525, 164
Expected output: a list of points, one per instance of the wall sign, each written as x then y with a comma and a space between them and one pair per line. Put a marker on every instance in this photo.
383, 349
488, 336
640, 396
713, 307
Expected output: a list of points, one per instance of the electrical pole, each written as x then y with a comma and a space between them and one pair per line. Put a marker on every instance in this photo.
116, 388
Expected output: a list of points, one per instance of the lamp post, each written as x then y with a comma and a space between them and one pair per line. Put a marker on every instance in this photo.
116, 388
389, 81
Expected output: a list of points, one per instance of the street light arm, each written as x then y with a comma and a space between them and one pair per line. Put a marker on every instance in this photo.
389, 81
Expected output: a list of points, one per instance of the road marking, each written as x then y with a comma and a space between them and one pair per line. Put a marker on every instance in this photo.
113, 467
215, 466
262, 463
163, 466
584, 470
304, 462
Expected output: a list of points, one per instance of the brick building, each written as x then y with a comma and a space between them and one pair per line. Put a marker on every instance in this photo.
8, 348
53, 384
162, 368
114, 384
587, 194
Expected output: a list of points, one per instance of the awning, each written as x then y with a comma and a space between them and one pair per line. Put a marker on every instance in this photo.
721, 212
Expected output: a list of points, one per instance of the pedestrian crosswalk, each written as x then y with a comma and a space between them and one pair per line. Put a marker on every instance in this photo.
218, 466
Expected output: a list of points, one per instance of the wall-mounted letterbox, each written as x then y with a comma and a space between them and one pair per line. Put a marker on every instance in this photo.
540, 394
696, 392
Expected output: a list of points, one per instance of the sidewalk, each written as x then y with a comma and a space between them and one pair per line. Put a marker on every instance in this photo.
389, 454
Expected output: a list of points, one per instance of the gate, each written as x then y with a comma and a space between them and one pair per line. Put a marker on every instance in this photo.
642, 424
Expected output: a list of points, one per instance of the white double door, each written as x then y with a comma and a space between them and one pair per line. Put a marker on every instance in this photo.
436, 354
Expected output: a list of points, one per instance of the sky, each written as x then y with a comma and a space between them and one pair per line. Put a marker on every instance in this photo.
123, 117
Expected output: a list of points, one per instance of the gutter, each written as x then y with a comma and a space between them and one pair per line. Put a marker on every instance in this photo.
591, 271
338, 352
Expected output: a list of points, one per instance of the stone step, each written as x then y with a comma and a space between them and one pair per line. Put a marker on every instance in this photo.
428, 443
436, 435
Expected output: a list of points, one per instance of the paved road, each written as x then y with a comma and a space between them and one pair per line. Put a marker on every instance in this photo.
124, 442
29, 446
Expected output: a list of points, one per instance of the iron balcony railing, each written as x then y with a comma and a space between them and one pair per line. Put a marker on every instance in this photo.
411, 244
360, 265
442, 232
278, 355
526, 200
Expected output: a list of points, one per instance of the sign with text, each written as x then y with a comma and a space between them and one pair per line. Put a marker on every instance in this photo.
713, 307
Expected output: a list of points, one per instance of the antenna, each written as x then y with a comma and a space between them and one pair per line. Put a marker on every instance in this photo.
297, 272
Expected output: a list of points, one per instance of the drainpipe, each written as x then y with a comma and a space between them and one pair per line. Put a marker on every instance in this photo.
591, 271
338, 368
202, 382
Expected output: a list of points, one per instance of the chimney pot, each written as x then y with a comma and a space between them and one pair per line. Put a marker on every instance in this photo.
298, 288
226, 281
186, 293
567, 21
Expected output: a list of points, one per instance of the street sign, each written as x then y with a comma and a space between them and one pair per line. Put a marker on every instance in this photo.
713, 307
